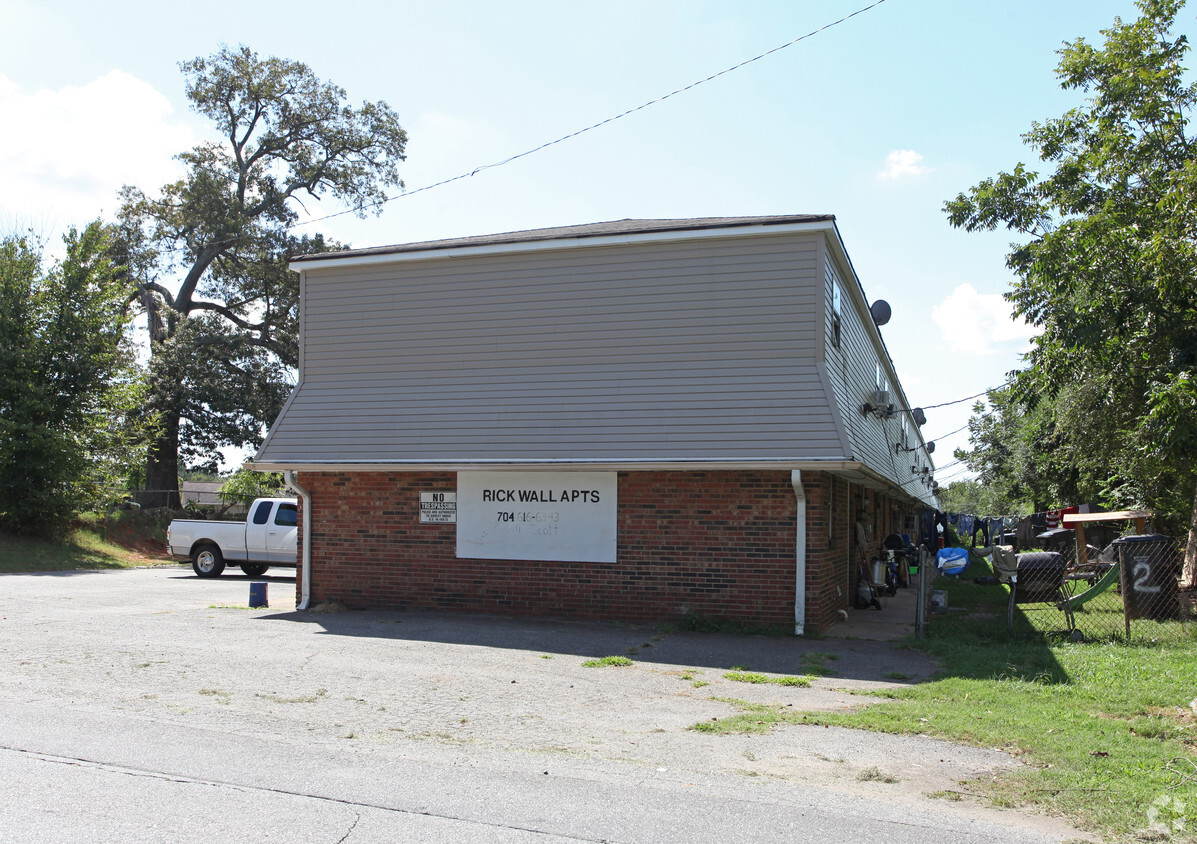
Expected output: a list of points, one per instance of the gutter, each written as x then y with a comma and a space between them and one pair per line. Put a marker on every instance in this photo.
799, 554
305, 576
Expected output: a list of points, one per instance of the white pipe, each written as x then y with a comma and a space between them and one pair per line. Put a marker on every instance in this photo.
305, 576
799, 554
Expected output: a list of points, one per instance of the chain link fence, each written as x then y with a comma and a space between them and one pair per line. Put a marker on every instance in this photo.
1133, 589
200, 503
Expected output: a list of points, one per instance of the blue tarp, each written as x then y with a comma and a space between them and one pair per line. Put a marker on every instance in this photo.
952, 561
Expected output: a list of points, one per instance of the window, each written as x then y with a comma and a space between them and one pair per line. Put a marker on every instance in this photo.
835, 314
262, 514
287, 515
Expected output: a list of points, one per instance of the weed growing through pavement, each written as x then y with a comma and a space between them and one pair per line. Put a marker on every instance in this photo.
815, 663
298, 699
875, 774
608, 661
741, 676
753, 718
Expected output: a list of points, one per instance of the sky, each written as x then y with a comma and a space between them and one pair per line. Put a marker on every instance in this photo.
878, 120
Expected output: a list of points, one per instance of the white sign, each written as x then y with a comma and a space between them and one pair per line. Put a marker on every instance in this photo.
438, 508
566, 516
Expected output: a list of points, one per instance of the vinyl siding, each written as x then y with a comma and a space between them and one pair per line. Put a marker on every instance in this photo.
696, 350
853, 374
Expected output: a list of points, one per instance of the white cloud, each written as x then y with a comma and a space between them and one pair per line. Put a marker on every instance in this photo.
976, 323
903, 163
66, 152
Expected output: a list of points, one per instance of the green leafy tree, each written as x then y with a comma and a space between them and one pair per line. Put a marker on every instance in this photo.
209, 253
1108, 265
1034, 452
243, 486
68, 382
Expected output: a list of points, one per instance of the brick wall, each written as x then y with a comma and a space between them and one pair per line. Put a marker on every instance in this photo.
719, 544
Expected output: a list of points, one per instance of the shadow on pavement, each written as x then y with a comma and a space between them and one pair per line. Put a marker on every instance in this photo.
659, 645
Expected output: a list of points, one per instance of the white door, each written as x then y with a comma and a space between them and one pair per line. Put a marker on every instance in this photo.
257, 526
280, 538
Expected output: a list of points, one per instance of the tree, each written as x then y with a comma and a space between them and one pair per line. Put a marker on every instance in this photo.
1109, 267
68, 383
243, 486
1033, 452
972, 496
210, 253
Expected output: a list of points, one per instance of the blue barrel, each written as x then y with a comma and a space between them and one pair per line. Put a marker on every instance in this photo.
257, 595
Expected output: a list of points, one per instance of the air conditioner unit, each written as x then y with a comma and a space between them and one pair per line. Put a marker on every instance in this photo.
880, 398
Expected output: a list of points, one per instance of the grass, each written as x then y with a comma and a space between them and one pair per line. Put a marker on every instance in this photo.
815, 663
81, 549
295, 699
752, 718
116, 540
697, 623
608, 662
1105, 729
875, 774
755, 677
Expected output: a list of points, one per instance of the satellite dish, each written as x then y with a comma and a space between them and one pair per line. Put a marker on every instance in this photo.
919, 417
881, 312
931, 447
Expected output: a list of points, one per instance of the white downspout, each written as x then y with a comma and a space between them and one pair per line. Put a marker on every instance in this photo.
305, 577
799, 555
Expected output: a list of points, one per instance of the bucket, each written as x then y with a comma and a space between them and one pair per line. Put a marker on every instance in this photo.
878, 572
257, 596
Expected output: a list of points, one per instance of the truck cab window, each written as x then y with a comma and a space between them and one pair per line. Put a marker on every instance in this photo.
287, 515
262, 514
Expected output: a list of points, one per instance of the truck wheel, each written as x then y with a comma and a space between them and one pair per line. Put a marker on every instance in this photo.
207, 561
254, 569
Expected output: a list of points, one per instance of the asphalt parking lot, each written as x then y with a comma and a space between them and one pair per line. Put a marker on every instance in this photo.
362, 726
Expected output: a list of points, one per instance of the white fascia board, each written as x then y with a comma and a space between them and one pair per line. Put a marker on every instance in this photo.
551, 465
564, 243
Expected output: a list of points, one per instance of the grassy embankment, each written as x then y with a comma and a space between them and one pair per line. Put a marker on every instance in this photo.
125, 539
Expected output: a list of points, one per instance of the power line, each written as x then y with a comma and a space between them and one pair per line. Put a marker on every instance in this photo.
948, 434
955, 475
967, 398
601, 123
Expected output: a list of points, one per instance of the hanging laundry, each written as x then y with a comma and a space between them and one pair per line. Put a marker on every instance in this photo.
981, 526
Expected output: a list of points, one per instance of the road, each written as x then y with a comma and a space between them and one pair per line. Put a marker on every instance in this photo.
150, 705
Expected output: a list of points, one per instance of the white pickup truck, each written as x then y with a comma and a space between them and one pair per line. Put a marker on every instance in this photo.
266, 538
